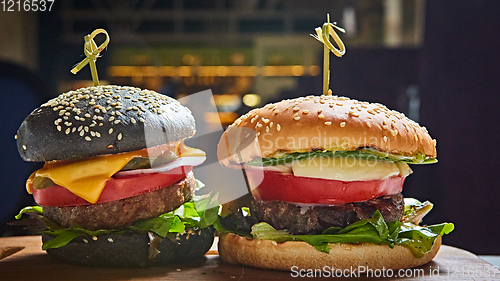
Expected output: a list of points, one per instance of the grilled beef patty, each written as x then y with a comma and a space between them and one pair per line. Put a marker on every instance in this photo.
314, 219
122, 213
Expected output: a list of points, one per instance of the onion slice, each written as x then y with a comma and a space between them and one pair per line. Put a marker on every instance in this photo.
179, 162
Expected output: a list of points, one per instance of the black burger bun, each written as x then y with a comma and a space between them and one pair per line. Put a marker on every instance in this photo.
132, 249
102, 120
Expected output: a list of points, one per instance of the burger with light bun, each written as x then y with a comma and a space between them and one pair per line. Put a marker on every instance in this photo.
117, 187
326, 174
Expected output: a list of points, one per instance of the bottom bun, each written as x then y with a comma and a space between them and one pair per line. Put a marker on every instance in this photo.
268, 254
132, 249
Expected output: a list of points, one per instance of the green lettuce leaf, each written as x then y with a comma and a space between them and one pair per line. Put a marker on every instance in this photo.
30, 209
373, 230
420, 239
365, 153
64, 236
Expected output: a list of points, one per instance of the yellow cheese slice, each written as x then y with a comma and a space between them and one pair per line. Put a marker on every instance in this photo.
87, 178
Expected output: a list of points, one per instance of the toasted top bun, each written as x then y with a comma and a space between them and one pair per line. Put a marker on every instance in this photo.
324, 123
268, 254
102, 120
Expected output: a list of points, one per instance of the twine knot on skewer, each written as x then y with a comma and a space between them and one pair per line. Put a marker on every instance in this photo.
92, 52
323, 35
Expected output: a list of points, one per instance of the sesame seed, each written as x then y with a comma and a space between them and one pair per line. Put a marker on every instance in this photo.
368, 125
86, 129
342, 124
110, 240
15, 137
87, 138
59, 128
24, 147
296, 118
274, 243
132, 120
110, 131
82, 133
394, 132
73, 130
117, 121
94, 238
278, 127
419, 136
321, 116
86, 115
267, 129
385, 139
328, 123
416, 138
142, 120
92, 133
119, 137
320, 110
110, 146
296, 108
305, 111
68, 130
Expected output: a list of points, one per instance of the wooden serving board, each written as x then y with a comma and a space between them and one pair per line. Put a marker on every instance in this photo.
32, 263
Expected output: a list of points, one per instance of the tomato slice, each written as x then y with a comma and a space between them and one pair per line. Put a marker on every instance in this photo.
115, 188
275, 185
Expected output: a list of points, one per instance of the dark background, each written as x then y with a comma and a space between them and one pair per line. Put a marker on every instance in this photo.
454, 70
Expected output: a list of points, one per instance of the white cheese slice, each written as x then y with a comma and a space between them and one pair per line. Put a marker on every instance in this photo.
348, 168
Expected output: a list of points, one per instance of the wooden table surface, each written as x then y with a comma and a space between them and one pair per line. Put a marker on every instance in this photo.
32, 263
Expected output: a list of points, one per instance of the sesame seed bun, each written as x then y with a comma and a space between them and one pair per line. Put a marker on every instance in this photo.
325, 123
102, 120
268, 254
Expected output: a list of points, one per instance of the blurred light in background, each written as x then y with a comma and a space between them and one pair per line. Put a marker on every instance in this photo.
251, 100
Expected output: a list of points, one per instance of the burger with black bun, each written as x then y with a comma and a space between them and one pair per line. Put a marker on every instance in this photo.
326, 175
117, 187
